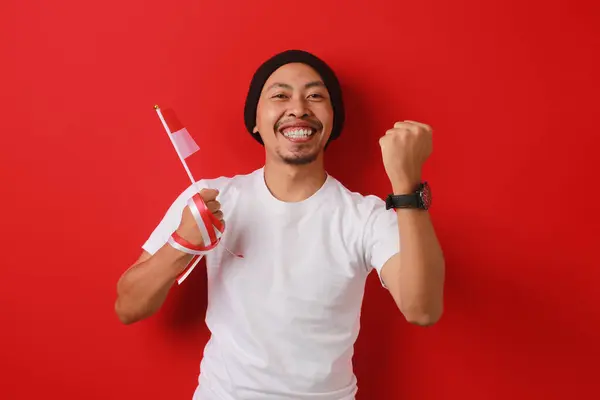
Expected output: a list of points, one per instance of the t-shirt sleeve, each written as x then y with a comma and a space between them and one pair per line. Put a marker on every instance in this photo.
171, 219
381, 236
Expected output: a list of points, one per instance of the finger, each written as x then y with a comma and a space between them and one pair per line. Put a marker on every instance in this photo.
422, 125
213, 206
405, 125
209, 194
218, 215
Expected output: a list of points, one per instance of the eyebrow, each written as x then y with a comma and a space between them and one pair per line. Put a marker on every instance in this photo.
289, 87
314, 84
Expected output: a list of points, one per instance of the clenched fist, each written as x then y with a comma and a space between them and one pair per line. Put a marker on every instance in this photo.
188, 228
404, 150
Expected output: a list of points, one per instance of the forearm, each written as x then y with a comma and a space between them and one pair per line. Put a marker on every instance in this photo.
422, 268
143, 288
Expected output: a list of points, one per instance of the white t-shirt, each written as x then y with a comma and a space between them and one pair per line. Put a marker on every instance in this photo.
284, 318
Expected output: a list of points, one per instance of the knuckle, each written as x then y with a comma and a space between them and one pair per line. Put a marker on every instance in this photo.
208, 194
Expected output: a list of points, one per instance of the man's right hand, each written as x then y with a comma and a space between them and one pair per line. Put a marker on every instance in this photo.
188, 228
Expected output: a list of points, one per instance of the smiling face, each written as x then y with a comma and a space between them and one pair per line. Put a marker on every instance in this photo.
294, 115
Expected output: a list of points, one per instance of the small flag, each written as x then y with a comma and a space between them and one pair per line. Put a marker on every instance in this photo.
182, 140
185, 146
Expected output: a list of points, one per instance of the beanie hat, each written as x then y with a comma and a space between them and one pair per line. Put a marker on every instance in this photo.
294, 56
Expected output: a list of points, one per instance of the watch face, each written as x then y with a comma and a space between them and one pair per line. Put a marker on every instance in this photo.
425, 196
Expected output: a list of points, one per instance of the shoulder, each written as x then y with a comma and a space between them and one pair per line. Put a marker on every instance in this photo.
366, 222
364, 205
226, 185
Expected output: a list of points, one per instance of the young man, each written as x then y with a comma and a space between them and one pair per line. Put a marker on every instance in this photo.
285, 316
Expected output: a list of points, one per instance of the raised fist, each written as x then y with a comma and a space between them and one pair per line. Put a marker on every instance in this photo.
405, 148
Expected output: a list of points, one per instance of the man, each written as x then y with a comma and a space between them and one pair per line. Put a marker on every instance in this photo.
285, 316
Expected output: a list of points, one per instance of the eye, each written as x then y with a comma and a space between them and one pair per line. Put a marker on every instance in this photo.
279, 96
316, 96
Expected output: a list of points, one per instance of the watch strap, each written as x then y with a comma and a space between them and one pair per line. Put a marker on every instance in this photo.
402, 201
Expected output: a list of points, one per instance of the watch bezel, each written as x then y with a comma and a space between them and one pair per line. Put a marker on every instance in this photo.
424, 193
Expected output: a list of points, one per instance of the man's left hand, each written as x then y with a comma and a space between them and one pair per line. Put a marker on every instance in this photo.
404, 149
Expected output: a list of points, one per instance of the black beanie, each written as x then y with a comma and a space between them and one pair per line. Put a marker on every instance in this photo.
294, 56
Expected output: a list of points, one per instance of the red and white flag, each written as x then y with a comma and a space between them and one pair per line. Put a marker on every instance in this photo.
182, 140
211, 228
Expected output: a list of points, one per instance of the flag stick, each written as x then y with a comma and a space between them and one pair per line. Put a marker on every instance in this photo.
157, 108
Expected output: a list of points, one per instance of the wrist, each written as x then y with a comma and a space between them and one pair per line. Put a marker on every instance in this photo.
174, 260
405, 183
174, 254
188, 237
405, 187
409, 196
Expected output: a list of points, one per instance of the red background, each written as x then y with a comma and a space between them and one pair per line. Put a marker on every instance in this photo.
510, 87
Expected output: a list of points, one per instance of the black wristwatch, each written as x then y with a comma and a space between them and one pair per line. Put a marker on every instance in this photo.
420, 198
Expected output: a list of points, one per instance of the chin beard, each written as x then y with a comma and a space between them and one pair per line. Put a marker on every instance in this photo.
299, 159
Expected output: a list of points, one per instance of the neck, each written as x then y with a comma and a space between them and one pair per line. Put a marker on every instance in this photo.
292, 183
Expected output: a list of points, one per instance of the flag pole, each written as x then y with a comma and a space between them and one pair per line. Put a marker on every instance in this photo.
157, 108
189, 173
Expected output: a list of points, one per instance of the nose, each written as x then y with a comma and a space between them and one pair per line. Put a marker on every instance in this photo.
298, 108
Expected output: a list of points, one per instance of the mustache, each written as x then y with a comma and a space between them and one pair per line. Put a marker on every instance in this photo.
313, 122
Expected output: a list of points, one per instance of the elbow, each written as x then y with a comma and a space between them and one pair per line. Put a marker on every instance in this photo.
125, 316
423, 317
122, 307
424, 320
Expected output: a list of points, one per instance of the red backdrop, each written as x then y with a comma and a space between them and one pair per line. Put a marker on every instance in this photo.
511, 88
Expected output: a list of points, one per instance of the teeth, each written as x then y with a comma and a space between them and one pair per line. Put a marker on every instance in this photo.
297, 133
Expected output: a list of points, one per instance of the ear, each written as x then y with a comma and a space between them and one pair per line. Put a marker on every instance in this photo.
255, 130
